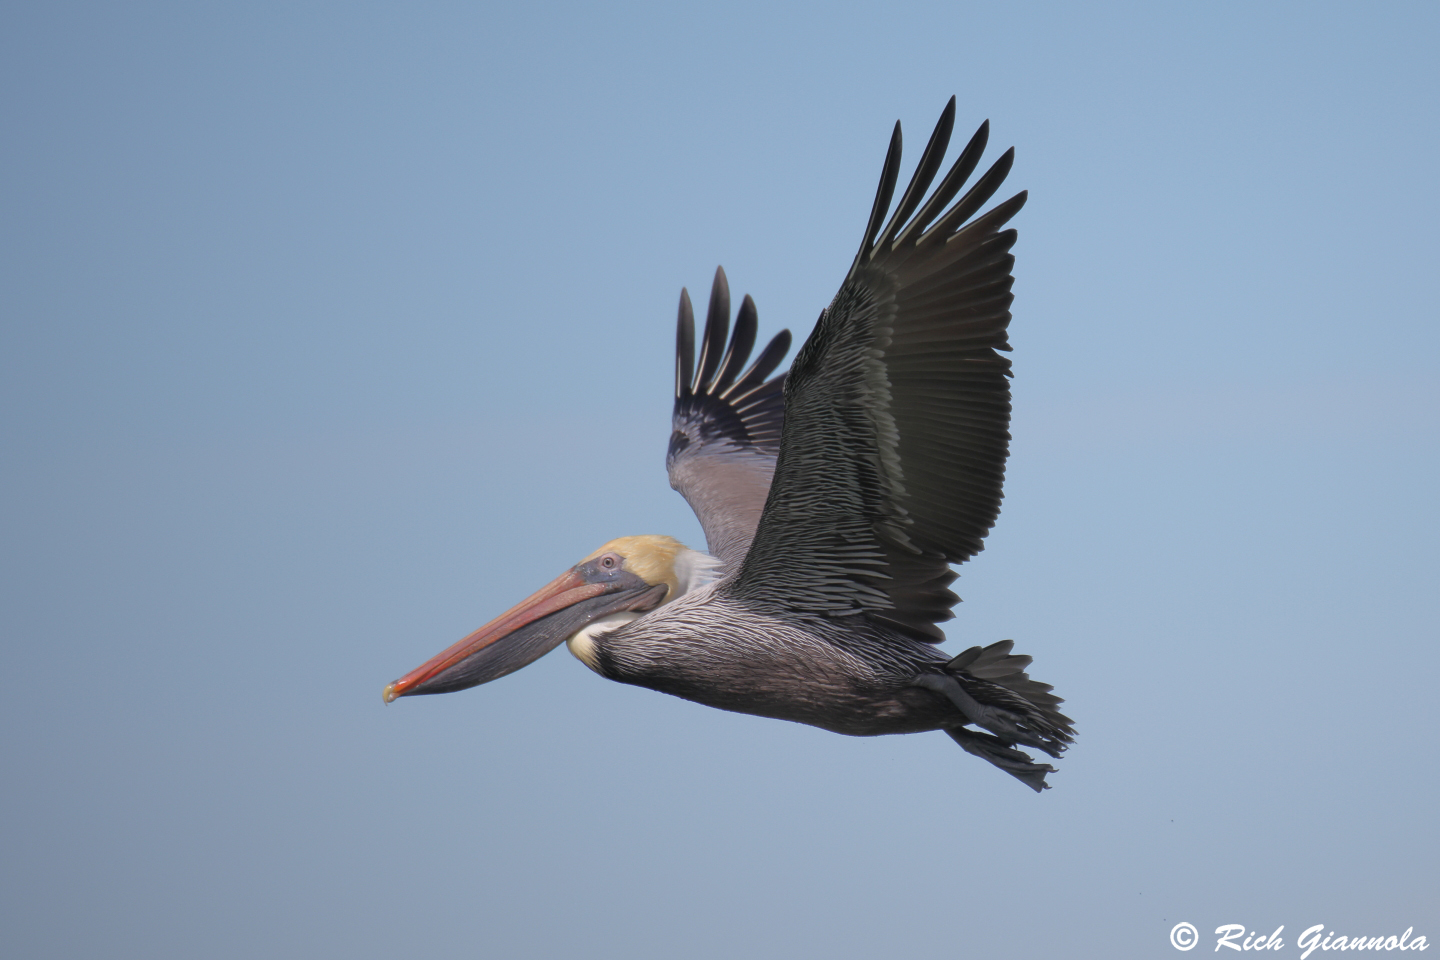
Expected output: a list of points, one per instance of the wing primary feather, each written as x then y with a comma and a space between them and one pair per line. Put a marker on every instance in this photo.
925, 172
684, 346
883, 196
985, 261
759, 397
717, 329
763, 366
964, 165
973, 200
742, 341
994, 218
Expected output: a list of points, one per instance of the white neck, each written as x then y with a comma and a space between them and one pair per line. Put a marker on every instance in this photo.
694, 570
582, 644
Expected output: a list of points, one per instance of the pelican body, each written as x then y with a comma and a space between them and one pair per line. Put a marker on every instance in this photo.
834, 499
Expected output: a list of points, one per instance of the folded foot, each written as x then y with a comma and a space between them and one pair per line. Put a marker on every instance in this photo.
1019, 765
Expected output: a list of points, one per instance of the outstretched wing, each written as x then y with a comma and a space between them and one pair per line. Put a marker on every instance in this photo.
727, 421
897, 408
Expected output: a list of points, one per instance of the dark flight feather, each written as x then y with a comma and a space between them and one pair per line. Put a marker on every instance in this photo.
897, 408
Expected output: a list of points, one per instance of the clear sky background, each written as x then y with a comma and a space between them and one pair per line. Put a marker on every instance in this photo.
330, 331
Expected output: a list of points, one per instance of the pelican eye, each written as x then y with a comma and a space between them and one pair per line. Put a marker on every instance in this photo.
610, 562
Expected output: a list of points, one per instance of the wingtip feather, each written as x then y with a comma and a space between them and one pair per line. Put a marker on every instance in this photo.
889, 173
717, 331
684, 345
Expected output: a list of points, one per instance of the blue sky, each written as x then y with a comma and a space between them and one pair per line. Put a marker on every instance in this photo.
329, 331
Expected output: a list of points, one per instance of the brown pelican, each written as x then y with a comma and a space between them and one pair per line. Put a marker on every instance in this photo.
834, 499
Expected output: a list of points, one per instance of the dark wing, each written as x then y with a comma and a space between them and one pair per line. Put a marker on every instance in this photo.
727, 421
897, 408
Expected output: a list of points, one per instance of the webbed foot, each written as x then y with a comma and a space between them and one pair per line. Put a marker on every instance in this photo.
1007, 726
1019, 765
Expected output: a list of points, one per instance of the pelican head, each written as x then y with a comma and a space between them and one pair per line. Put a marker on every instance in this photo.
623, 580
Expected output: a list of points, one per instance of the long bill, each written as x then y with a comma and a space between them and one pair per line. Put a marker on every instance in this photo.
524, 633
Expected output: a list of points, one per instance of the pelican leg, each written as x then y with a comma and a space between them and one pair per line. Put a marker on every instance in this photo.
1008, 727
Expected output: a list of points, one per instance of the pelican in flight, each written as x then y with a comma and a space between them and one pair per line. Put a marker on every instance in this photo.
834, 499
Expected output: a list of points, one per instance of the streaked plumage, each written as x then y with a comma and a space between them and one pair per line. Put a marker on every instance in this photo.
834, 499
